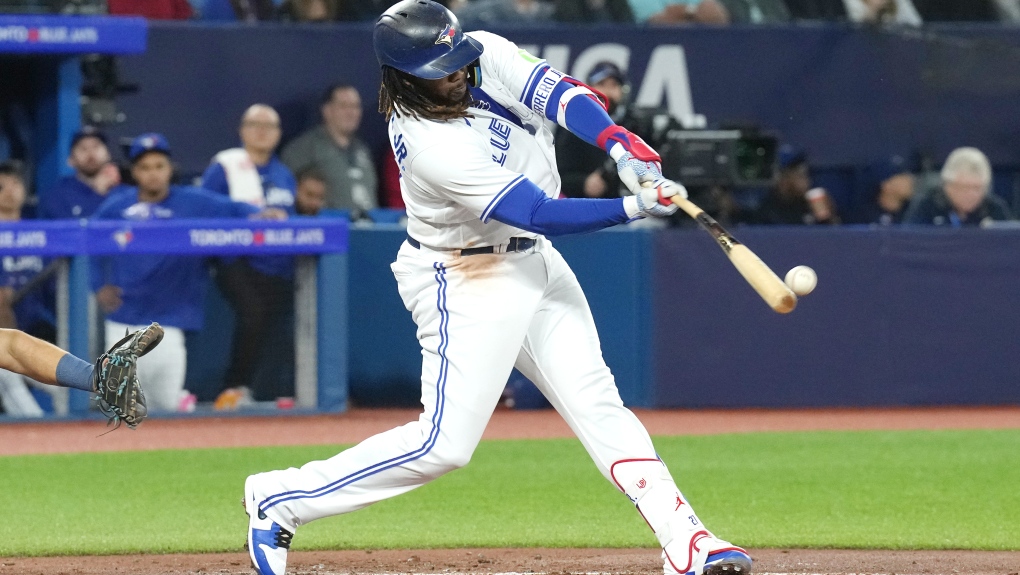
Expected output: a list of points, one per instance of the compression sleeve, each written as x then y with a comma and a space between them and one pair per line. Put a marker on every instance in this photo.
525, 206
575, 107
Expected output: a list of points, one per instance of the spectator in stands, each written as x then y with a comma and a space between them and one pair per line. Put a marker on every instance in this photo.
792, 201
831, 10
889, 186
883, 12
169, 289
964, 198
311, 192
79, 195
248, 10
481, 13
756, 11
308, 10
152, 9
591, 11
957, 11
21, 306
335, 150
679, 11
258, 288
586, 171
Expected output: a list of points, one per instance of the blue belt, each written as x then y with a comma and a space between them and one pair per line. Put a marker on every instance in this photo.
514, 245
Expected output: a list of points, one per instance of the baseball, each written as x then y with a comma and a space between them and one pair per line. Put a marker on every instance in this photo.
802, 280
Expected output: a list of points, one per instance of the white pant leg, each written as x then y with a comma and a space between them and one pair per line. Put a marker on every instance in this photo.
472, 319
161, 372
562, 355
18, 400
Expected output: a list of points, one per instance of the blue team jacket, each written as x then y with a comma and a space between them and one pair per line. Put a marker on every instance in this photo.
166, 289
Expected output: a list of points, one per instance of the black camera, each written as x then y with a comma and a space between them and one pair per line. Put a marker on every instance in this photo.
732, 158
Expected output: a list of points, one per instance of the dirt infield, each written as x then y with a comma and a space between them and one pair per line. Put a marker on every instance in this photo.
29, 438
356, 425
520, 561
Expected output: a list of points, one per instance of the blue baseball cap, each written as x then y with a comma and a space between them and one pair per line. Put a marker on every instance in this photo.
604, 70
151, 142
88, 132
790, 156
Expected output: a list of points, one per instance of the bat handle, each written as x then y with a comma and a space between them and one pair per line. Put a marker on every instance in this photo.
687, 206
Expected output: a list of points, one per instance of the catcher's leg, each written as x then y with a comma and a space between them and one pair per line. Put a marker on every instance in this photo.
562, 355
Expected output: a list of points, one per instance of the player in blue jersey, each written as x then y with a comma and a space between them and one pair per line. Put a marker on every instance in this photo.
113, 376
95, 176
258, 288
170, 289
469, 116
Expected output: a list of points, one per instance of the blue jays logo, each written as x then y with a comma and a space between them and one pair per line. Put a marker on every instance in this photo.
123, 237
446, 36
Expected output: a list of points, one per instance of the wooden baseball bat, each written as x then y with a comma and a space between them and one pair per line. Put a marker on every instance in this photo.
764, 281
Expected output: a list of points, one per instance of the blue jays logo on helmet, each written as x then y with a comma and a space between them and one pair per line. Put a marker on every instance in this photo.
424, 39
446, 36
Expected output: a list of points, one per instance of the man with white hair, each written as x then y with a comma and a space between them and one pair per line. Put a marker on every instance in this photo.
963, 199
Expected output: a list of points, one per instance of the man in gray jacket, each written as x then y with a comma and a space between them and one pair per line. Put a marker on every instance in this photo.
335, 151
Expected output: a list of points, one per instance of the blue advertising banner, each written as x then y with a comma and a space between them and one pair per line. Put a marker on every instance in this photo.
850, 96
33, 237
217, 237
296, 236
72, 35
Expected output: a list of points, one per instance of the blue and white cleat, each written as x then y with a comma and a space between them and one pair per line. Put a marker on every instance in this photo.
706, 554
268, 542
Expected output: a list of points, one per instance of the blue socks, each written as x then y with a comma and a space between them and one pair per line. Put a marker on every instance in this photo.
74, 372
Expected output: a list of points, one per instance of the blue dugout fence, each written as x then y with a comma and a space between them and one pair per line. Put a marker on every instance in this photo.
901, 316
320, 246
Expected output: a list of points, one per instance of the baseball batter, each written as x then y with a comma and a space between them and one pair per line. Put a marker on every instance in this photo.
468, 125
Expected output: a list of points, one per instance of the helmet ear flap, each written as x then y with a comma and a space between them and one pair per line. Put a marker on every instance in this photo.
474, 74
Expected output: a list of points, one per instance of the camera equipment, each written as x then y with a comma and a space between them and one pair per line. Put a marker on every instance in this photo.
719, 157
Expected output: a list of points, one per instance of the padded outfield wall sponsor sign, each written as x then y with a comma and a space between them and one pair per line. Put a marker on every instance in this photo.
72, 35
184, 237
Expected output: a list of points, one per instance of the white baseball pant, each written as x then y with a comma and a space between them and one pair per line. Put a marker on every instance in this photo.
478, 317
17, 399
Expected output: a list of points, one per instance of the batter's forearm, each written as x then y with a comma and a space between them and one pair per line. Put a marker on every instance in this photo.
527, 207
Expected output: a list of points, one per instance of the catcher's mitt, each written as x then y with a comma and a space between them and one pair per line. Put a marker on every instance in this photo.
115, 378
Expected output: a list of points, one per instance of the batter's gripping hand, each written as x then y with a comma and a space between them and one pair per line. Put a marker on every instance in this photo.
654, 197
636, 161
115, 378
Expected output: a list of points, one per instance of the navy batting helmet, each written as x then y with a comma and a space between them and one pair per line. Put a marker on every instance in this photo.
423, 39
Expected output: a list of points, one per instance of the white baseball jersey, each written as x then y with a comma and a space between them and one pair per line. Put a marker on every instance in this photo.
480, 316
454, 173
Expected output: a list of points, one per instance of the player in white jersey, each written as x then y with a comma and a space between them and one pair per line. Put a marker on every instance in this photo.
468, 125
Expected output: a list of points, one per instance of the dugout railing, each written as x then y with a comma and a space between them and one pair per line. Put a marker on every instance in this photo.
320, 284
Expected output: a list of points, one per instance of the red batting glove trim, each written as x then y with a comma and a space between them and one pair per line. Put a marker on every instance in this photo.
630, 141
662, 199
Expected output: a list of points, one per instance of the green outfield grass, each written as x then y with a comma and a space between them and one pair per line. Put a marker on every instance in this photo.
895, 490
